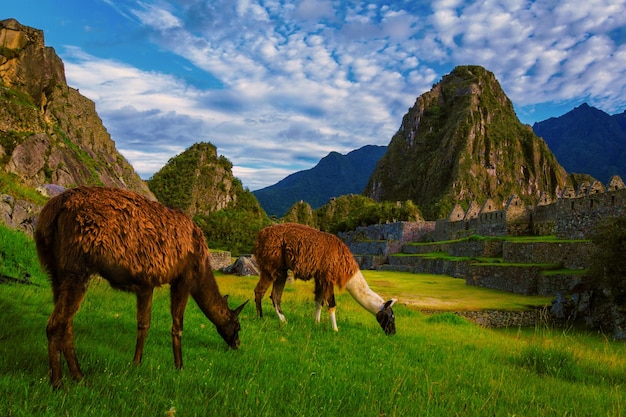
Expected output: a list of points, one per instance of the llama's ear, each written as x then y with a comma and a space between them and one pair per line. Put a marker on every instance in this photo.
389, 303
238, 309
225, 298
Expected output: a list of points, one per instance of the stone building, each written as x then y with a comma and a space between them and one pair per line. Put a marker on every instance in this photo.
572, 216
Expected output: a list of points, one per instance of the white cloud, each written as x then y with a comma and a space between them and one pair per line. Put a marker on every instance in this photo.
152, 15
314, 10
301, 78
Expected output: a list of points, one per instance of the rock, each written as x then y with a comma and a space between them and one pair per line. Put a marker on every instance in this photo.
51, 190
243, 266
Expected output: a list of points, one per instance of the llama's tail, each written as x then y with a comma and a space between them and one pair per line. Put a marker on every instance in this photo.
46, 230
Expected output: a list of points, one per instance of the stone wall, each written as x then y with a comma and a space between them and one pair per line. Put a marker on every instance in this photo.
570, 254
471, 248
576, 217
511, 278
220, 259
383, 239
572, 216
543, 220
370, 261
501, 318
520, 279
419, 265
489, 224
553, 284
449, 230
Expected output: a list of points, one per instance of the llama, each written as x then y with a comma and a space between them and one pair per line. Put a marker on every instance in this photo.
309, 253
136, 245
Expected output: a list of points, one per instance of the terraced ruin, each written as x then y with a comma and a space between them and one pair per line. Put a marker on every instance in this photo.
532, 250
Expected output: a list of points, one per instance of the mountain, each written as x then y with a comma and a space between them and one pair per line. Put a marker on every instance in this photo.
201, 183
587, 140
462, 142
49, 132
333, 176
198, 182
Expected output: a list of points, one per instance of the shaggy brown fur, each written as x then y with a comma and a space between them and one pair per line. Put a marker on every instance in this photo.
136, 245
311, 254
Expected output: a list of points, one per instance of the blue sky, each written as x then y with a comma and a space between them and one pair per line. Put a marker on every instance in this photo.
278, 84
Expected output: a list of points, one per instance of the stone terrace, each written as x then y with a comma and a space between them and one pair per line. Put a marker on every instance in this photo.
524, 266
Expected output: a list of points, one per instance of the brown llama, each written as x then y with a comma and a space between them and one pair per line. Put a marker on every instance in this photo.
309, 253
135, 244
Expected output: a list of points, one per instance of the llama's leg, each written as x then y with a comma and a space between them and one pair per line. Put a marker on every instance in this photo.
277, 293
265, 280
318, 311
144, 313
324, 293
320, 298
332, 307
60, 329
179, 295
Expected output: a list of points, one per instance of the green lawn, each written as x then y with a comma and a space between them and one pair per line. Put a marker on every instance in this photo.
441, 292
436, 365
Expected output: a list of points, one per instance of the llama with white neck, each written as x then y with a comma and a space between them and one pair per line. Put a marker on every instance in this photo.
309, 253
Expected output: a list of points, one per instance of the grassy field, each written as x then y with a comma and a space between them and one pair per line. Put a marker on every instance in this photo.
436, 365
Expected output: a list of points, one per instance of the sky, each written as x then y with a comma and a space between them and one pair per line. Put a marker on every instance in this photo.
276, 85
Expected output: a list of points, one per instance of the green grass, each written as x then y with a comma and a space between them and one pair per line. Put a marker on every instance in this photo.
464, 239
513, 239
476, 260
10, 184
436, 365
441, 292
18, 255
550, 238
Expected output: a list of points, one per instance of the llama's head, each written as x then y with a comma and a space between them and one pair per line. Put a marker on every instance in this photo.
230, 329
386, 318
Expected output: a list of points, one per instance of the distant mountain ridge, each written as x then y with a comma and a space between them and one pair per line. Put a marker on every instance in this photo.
333, 176
587, 140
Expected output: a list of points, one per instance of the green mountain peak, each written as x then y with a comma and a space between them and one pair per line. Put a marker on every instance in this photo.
462, 142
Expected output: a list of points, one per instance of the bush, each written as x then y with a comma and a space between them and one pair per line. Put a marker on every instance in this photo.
351, 211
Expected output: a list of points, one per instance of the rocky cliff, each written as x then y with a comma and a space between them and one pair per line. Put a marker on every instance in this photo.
49, 132
462, 142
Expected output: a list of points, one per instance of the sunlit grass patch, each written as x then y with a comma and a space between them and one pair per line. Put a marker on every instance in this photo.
436, 365
441, 292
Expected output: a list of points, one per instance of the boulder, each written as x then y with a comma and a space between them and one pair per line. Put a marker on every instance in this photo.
244, 266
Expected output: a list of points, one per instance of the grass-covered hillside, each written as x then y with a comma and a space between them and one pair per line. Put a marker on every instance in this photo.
436, 365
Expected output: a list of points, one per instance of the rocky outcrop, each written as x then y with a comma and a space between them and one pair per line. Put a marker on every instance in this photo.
26, 64
198, 182
243, 266
49, 132
18, 214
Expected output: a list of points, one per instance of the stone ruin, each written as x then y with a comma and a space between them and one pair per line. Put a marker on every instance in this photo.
572, 216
